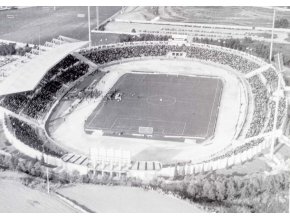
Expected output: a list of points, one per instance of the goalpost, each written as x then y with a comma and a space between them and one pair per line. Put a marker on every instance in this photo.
145, 130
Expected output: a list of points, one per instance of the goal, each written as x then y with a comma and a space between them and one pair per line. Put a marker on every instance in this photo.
145, 130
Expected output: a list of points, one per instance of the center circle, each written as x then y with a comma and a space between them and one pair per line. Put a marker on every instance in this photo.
161, 100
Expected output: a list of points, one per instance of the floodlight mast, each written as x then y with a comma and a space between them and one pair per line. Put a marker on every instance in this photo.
272, 36
89, 26
97, 16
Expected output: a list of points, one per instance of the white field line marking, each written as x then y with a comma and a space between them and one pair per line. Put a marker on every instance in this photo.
147, 120
97, 112
183, 128
212, 108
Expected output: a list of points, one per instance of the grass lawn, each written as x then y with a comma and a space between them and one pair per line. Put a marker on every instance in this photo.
171, 105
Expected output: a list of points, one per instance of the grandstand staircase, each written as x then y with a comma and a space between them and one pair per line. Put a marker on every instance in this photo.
84, 59
284, 139
259, 70
274, 160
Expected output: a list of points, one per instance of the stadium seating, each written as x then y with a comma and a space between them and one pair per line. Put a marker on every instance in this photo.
238, 150
37, 102
260, 106
272, 78
239, 63
29, 136
15, 102
281, 111
270, 123
112, 54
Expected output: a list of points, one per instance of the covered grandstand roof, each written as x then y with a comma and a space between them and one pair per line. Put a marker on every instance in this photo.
29, 74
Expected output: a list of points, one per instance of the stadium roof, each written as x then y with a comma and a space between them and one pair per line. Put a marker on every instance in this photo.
28, 75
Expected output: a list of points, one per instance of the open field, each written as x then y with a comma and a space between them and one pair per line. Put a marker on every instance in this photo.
40, 24
17, 198
125, 200
172, 105
242, 16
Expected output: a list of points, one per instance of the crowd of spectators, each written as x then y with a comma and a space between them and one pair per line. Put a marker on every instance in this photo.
270, 124
260, 95
62, 65
45, 97
235, 61
37, 102
15, 102
272, 78
238, 150
29, 136
281, 111
40, 101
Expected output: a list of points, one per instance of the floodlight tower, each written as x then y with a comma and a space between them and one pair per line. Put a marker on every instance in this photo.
275, 129
97, 16
47, 180
89, 25
272, 36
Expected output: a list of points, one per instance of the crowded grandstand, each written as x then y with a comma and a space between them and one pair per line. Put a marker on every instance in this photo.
26, 113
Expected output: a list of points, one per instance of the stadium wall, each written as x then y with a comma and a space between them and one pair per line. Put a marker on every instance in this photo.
216, 165
27, 150
190, 168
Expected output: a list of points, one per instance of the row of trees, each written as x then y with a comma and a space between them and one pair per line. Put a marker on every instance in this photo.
143, 37
281, 23
254, 193
10, 49
260, 49
37, 169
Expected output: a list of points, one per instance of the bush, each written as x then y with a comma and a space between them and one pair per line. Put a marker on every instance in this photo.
7, 49
281, 23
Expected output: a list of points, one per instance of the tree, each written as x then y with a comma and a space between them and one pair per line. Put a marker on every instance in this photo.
221, 190
37, 168
193, 190
209, 190
21, 166
64, 177
245, 191
231, 189
281, 23
76, 177
85, 179
255, 186
175, 173
269, 185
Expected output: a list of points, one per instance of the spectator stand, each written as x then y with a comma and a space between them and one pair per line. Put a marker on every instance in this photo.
237, 152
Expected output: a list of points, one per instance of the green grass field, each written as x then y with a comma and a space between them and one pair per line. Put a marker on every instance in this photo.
118, 199
17, 198
171, 105
244, 16
39, 24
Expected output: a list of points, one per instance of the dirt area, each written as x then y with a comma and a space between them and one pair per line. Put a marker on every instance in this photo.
117, 199
17, 198
39, 24
242, 16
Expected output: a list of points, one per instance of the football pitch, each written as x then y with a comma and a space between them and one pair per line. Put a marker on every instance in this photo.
166, 105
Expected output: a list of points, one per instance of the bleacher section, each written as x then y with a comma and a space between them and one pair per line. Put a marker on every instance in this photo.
36, 103
31, 136
263, 86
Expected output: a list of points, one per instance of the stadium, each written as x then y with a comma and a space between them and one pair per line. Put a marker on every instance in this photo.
143, 106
